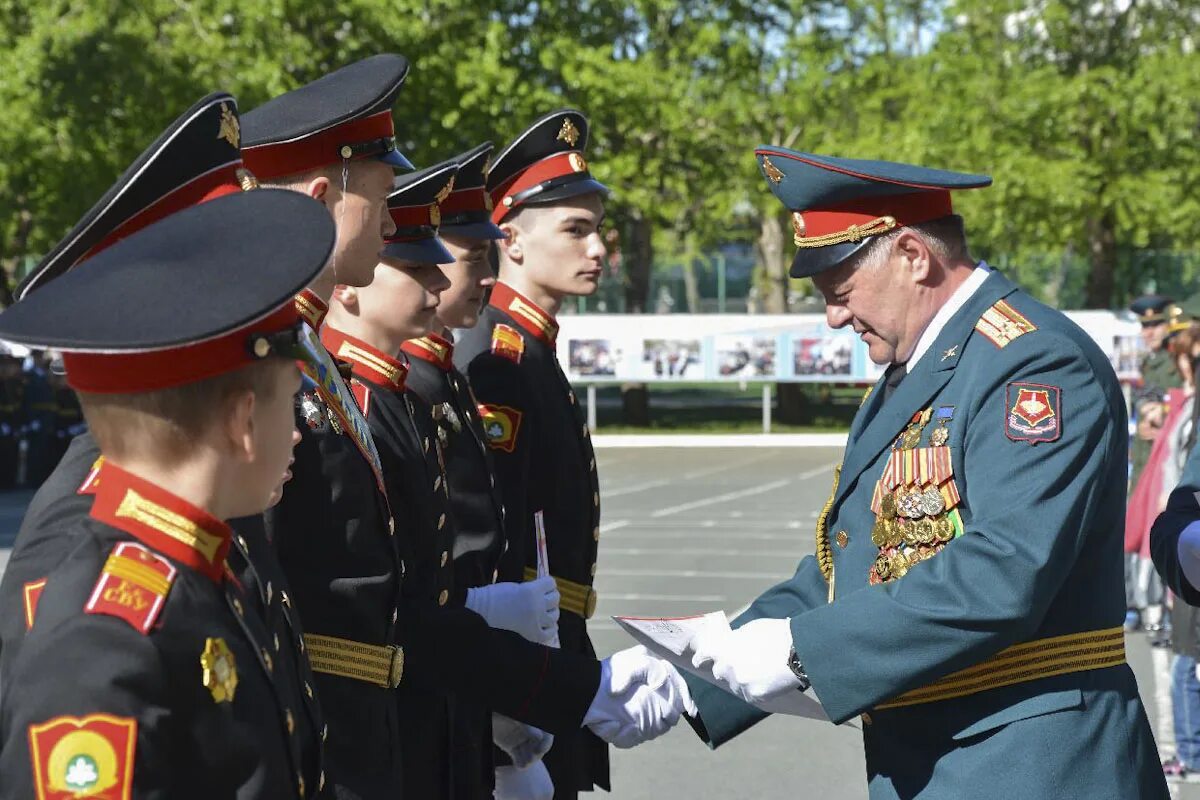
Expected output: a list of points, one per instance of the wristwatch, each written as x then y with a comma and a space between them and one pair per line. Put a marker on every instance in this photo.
797, 669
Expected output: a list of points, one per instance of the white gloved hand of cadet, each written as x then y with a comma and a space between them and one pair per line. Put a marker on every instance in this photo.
751, 660
1189, 553
640, 698
523, 743
531, 783
530, 609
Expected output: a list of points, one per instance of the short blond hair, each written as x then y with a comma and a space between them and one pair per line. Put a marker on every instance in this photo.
170, 422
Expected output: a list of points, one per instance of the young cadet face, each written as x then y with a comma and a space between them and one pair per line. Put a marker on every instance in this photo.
362, 221
273, 436
402, 300
560, 247
470, 277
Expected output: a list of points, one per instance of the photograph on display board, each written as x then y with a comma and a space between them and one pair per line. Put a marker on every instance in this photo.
592, 358
746, 356
822, 354
670, 359
1126, 355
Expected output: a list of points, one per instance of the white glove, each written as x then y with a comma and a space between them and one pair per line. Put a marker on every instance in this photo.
1189, 553
532, 783
751, 661
530, 609
640, 698
523, 743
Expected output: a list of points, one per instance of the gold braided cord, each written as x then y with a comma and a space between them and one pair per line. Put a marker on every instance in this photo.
855, 233
824, 552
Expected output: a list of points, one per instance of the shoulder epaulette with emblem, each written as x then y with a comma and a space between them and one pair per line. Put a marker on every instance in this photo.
133, 586
1001, 324
508, 343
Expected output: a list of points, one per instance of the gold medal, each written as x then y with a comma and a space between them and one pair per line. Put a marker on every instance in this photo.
943, 529
879, 534
940, 435
899, 565
911, 533
887, 506
883, 566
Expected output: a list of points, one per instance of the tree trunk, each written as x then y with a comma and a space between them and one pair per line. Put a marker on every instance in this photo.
792, 404
691, 288
772, 265
635, 397
1102, 248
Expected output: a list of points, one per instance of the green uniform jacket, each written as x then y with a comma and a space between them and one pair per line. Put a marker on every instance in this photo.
1037, 446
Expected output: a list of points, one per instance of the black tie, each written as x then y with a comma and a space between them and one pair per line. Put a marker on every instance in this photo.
891, 379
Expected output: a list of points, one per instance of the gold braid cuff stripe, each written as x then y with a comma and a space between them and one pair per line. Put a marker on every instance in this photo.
380, 665
1044, 658
578, 598
855, 233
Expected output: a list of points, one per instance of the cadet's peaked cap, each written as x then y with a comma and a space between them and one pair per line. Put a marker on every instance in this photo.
344, 116
1152, 309
839, 204
195, 159
203, 292
468, 210
413, 205
543, 165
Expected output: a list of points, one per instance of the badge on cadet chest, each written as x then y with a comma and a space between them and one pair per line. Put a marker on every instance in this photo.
915, 499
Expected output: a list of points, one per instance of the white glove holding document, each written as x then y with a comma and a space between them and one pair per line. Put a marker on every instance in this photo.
640, 698
1189, 553
751, 661
531, 783
530, 609
523, 743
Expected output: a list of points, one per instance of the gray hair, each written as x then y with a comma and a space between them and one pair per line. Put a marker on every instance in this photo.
945, 237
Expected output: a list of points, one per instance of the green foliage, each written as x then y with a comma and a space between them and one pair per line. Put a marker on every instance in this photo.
1085, 113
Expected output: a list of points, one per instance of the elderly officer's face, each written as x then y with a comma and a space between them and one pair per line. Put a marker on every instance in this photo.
562, 247
877, 299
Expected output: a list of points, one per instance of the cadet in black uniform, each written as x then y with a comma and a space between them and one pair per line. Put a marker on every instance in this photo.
195, 159
536, 430
148, 670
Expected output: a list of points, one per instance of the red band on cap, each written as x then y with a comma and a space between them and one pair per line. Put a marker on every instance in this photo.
121, 373
473, 199
324, 147
213, 184
906, 209
413, 216
547, 169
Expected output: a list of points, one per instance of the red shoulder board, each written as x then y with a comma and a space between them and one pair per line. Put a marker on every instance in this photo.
88, 756
32, 593
362, 396
132, 586
501, 425
508, 343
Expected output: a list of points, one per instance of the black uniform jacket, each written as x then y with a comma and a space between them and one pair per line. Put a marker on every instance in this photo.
450, 649
545, 465
149, 671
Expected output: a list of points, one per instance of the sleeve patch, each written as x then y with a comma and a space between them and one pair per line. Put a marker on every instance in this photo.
508, 343
32, 593
500, 425
1033, 412
88, 756
133, 586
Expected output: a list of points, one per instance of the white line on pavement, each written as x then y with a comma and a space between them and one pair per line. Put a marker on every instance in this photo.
624, 490
707, 598
688, 573
695, 551
615, 525
721, 498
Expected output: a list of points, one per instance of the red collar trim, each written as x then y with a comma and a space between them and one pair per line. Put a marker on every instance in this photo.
93, 478
431, 348
160, 520
525, 312
312, 309
368, 362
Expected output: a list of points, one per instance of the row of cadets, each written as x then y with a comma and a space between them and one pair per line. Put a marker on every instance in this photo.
149, 668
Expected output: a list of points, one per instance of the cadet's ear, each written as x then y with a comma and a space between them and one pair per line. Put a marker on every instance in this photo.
317, 188
346, 296
510, 245
239, 425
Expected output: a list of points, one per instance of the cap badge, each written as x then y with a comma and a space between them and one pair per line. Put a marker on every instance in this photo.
568, 133
487, 168
446, 190
435, 215
231, 129
246, 179
220, 669
771, 170
578, 163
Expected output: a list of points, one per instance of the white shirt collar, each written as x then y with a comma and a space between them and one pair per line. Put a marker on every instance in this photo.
957, 300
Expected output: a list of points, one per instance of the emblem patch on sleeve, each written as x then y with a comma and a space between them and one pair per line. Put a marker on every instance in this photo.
33, 593
132, 586
1034, 413
508, 343
88, 756
500, 424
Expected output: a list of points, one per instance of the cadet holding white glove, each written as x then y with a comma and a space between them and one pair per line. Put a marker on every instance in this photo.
530, 609
527, 778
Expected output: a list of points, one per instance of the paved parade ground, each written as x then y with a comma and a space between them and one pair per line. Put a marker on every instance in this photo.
689, 530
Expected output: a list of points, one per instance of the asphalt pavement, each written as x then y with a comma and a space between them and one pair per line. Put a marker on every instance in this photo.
691, 530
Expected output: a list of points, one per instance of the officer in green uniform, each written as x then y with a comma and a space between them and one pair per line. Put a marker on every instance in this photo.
965, 599
1158, 372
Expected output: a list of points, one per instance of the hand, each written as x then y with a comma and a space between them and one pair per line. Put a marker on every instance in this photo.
530, 609
1189, 553
752, 660
523, 743
531, 783
640, 698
